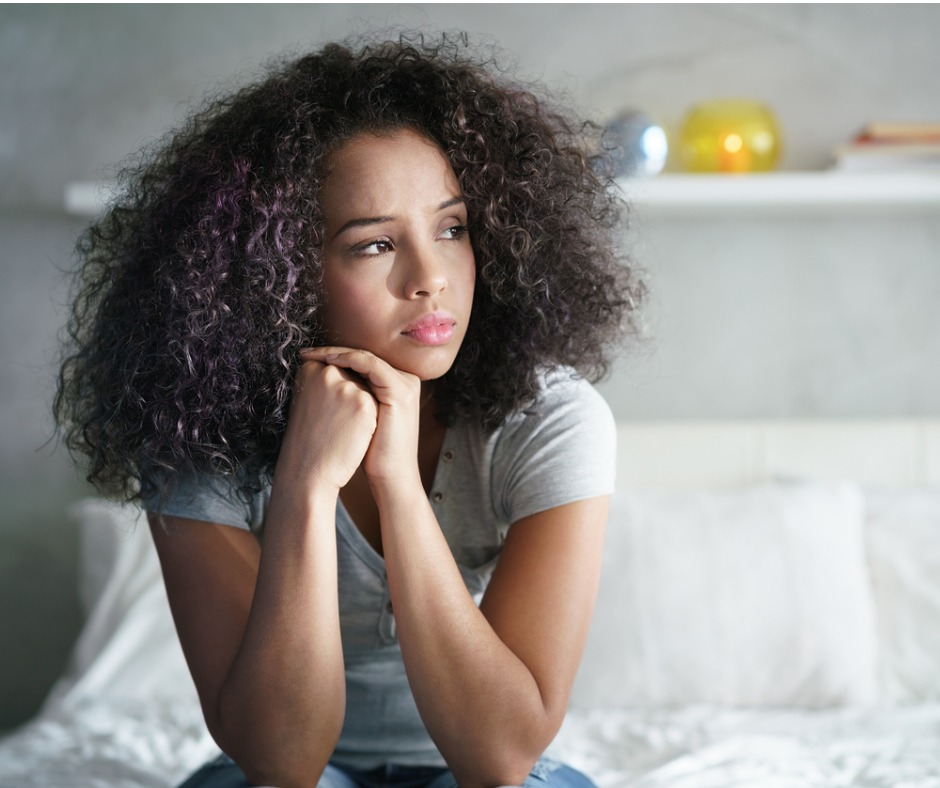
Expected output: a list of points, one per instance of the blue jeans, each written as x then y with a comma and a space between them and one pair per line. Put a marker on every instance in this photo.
547, 773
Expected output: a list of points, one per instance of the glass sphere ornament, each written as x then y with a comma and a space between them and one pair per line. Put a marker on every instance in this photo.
729, 136
634, 145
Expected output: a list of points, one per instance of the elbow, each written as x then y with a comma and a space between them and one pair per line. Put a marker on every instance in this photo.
512, 762
502, 769
508, 763
280, 776
273, 747
286, 761
284, 770
514, 772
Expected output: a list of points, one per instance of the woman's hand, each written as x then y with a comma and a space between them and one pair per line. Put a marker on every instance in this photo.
392, 455
332, 420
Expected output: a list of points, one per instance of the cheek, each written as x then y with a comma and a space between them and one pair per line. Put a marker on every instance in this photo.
468, 273
350, 302
470, 281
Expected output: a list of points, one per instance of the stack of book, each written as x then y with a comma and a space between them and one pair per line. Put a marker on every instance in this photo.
892, 147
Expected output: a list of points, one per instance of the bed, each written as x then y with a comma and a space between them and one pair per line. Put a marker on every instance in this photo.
769, 615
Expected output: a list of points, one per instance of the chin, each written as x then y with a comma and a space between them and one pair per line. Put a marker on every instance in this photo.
427, 364
427, 372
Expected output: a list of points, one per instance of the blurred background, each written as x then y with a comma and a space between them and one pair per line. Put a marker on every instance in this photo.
809, 307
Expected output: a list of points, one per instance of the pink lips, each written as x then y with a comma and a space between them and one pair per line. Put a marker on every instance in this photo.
436, 328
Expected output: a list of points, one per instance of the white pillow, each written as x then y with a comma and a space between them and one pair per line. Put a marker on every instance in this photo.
128, 649
904, 556
754, 597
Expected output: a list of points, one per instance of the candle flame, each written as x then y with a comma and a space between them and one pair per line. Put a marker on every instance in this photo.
732, 143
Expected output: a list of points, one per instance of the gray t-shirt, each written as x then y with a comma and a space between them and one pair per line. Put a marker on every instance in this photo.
560, 450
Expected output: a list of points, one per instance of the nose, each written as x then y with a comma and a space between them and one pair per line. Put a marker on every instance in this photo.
424, 273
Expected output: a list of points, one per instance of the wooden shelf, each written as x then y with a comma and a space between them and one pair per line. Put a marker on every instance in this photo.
779, 190
817, 190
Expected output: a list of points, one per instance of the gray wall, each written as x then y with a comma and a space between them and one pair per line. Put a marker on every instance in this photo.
801, 315
817, 314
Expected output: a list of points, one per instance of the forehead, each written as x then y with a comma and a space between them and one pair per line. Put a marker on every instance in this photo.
387, 174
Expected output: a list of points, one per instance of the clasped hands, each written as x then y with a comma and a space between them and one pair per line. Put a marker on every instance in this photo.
350, 407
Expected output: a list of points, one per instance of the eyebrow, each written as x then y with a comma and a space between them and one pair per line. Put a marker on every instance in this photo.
365, 221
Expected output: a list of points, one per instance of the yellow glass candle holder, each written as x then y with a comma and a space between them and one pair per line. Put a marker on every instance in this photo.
729, 136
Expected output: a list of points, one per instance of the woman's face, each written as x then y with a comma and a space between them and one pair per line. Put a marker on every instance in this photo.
397, 261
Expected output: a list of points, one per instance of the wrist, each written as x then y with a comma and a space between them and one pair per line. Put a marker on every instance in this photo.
302, 515
405, 485
303, 488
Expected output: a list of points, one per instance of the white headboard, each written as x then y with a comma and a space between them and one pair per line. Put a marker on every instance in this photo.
682, 454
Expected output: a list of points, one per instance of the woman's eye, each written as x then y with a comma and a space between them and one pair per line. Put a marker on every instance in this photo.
373, 248
456, 232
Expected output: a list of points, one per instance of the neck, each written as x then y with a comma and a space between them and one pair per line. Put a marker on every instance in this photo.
427, 397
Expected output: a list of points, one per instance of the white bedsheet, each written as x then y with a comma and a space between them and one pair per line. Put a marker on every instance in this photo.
104, 745
708, 747
125, 715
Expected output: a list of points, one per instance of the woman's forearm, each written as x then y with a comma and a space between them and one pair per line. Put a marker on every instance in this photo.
479, 701
284, 698
282, 705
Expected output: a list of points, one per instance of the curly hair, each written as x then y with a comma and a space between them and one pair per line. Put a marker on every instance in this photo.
201, 282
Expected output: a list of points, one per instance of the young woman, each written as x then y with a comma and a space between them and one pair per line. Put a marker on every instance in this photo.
335, 335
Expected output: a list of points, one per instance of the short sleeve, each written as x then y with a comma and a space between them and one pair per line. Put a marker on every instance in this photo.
561, 450
213, 499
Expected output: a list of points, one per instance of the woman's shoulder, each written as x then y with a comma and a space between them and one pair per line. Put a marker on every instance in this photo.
203, 496
559, 449
566, 413
566, 384
564, 398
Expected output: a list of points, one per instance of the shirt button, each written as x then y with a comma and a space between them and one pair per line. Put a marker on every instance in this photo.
448, 455
437, 497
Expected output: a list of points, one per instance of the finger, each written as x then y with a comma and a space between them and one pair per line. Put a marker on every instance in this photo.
322, 356
380, 375
315, 366
361, 361
350, 376
322, 352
